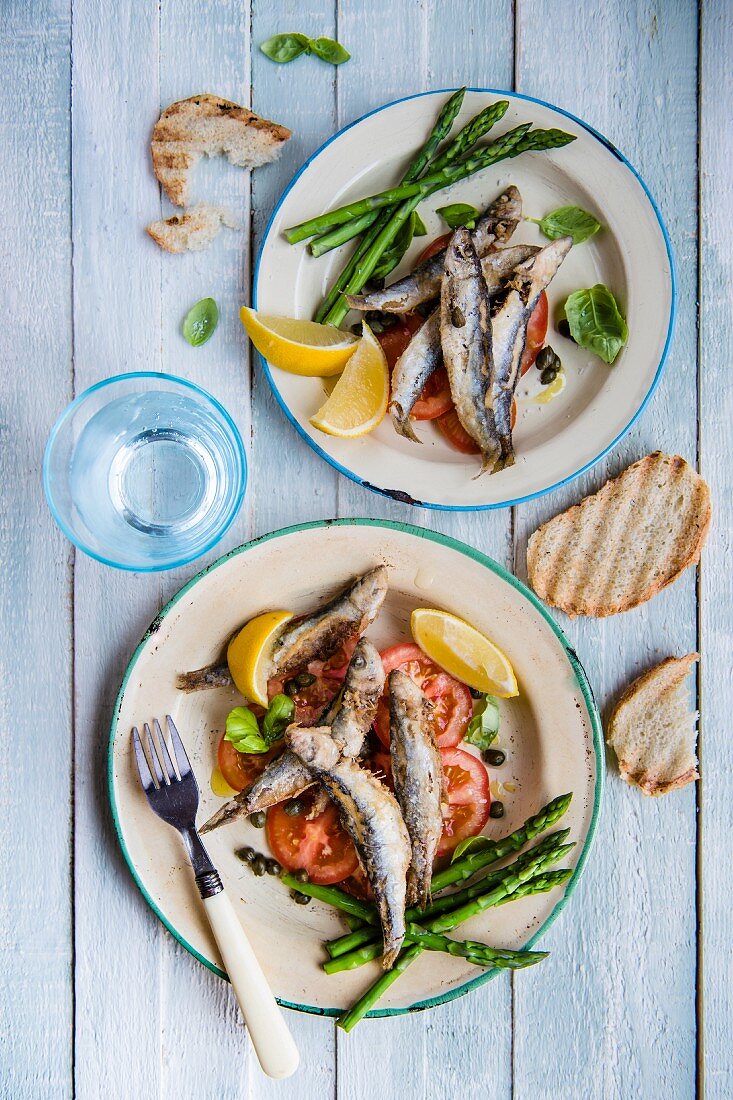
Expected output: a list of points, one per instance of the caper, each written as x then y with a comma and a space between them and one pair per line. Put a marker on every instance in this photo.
293, 807
247, 854
305, 679
497, 809
564, 329
476, 694
548, 375
495, 757
300, 899
379, 317
548, 357
259, 866
273, 867
301, 875
258, 819
290, 688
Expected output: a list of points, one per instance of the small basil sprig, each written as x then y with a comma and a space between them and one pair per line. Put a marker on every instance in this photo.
568, 221
484, 726
392, 255
596, 322
244, 731
200, 322
458, 214
283, 48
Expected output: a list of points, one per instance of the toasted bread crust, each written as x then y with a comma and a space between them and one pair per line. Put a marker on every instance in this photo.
181, 133
575, 560
191, 231
667, 675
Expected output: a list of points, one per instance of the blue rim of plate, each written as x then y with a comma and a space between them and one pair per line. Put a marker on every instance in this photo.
176, 563
390, 493
488, 563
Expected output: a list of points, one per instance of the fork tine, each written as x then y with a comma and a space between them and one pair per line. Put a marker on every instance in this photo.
169, 765
181, 755
142, 765
154, 757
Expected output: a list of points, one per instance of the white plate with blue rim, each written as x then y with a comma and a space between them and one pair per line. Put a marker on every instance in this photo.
555, 440
551, 734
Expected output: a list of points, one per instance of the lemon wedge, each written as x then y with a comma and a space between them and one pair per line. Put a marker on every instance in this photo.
547, 393
250, 651
359, 399
463, 651
300, 347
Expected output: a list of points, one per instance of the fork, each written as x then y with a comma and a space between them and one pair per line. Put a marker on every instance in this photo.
173, 794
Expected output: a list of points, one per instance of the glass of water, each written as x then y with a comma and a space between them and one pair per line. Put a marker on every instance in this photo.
144, 471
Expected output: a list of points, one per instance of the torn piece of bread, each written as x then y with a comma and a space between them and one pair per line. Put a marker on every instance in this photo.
619, 547
211, 126
652, 729
192, 231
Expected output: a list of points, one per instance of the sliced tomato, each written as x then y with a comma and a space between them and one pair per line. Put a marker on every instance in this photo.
310, 702
451, 699
435, 399
358, 885
320, 846
240, 769
451, 428
435, 246
536, 333
469, 800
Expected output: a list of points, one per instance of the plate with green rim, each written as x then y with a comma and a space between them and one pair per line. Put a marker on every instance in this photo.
555, 441
551, 734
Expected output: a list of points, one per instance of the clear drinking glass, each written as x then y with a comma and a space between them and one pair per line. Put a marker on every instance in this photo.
144, 471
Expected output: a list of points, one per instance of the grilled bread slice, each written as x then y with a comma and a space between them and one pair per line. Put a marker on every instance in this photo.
208, 125
192, 231
619, 547
652, 730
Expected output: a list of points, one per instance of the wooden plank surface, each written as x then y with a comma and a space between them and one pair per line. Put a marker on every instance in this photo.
715, 793
623, 965
123, 1011
36, 997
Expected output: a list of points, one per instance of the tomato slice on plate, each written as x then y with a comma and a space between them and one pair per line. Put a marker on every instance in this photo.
435, 399
469, 799
536, 333
394, 341
450, 698
320, 846
435, 246
451, 429
310, 702
240, 769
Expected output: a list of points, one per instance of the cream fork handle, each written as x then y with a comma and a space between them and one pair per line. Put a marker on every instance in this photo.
273, 1043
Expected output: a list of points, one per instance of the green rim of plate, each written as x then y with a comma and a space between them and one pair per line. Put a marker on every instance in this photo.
488, 563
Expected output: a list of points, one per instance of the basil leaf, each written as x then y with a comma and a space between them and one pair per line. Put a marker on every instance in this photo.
243, 731
470, 842
278, 716
484, 726
458, 214
568, 221
285, 47
200, 322
392, 256
328, 50
419, 228
596, 323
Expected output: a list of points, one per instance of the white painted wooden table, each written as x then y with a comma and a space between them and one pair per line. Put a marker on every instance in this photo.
98, 1000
